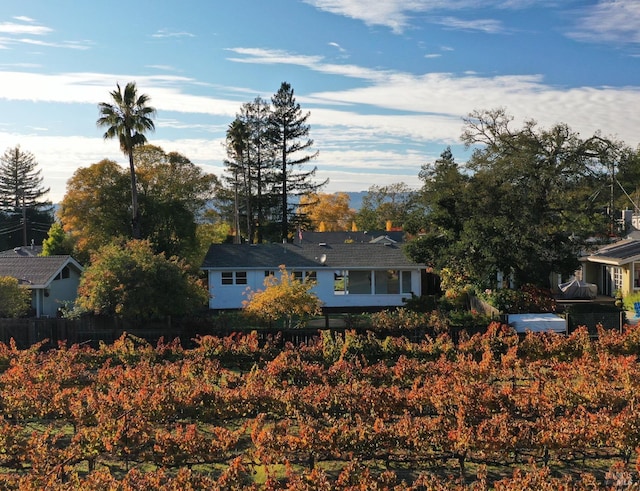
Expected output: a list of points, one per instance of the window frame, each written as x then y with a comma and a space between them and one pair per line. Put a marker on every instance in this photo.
229, 278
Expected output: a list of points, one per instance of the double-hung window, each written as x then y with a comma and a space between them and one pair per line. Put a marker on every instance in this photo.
234, 277
303, 276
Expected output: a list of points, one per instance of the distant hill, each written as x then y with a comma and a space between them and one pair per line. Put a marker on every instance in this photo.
355, 199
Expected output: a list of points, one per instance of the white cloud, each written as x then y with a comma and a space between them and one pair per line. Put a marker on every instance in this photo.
22, 29
82, 45
165, 68
59, 157
337, 46
15, 34
585, 109
488, 26
274, 57
397, 14
167, 33
91, 88
366, 129
615, 21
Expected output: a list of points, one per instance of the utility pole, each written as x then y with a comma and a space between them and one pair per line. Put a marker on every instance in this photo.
24, 222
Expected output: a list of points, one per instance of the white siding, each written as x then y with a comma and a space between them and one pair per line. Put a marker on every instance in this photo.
231, 296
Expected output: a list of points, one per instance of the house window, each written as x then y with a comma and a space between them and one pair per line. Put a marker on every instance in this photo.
360, 282
340, 283
636, 275
405, 283
64, 273
304, 276
617, 278
234, 277
387, 282
269, 272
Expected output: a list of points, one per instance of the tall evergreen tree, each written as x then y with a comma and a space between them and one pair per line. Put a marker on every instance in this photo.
250, 164
26, 214
20, 181
289, 134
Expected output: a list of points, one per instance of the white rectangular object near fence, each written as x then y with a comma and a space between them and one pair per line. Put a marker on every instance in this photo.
537, 323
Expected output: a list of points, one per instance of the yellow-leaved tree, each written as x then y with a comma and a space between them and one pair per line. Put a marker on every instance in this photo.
328, 212
15, 300
284, 297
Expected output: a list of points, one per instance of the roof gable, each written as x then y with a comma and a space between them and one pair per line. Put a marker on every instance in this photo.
35, 271
306, 256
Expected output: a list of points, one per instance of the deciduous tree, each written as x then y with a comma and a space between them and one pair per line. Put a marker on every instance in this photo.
332, 210
382, 205
130, 280
284, 297
95, 208
15, 300
174, 193
524, 206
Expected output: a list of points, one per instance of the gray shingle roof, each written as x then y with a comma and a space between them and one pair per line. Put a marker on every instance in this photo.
618, 253
23, 251
304, 256
36, 271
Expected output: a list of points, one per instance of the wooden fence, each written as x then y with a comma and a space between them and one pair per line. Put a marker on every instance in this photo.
94, 330
89, 330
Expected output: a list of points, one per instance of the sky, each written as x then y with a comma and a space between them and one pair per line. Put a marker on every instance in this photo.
387, 83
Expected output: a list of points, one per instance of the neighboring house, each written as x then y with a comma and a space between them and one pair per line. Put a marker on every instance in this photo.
614, 267
32, 250
343, 237
53, 280
348, 276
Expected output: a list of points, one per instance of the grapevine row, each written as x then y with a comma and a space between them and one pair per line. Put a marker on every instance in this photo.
344, 409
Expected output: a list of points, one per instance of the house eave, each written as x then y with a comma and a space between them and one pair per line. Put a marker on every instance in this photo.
612, 261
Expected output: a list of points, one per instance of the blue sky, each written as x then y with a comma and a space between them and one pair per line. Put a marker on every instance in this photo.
387, 82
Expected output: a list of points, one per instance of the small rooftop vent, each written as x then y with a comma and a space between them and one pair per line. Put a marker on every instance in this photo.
322, 244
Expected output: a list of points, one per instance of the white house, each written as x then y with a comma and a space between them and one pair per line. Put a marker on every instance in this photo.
347, 276
53, 280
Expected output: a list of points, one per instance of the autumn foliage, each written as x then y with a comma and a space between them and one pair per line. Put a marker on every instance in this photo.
345, 412
284, 297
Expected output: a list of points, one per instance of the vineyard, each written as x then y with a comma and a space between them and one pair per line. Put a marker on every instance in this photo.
345, 412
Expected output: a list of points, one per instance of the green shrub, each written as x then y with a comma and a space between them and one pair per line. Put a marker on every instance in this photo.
529, 298
400, 319
629, 300
423, 303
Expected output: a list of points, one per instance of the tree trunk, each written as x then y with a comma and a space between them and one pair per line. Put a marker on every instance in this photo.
135, 212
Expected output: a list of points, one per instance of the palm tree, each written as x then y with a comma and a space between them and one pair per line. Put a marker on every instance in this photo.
128, 117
